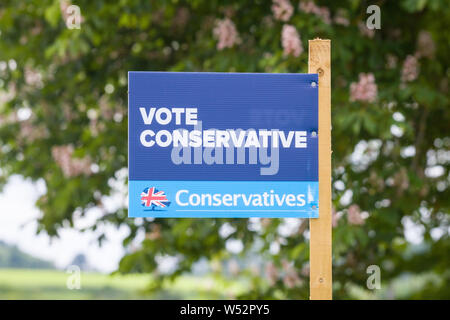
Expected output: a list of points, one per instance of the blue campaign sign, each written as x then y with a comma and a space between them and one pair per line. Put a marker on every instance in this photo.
223, 145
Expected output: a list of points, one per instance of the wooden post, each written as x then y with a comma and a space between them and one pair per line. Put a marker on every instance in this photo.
320, 229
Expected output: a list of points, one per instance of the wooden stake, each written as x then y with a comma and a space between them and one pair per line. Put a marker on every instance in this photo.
320, 229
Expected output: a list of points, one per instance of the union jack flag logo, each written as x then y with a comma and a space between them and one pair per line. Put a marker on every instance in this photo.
151, 197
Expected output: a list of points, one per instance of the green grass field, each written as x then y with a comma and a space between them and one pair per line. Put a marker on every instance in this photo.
52, 284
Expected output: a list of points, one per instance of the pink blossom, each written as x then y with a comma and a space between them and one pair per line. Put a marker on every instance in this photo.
425, 45
308, 7
370, 33
282, 9
106, 109
233, 267
29, 132
37, 29
395, 33
354, 215
365, 89
341, 18
410, 69
68, 113
70, 166
271, 272
311, 7
290, 278
33, 78
267, 21
324, 13
305, 270
334, 217
182, 17
376, 181
401, 180
291, 42
285, 264
226, 34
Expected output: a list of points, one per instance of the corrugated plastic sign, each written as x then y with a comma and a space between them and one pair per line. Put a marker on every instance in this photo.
223, 145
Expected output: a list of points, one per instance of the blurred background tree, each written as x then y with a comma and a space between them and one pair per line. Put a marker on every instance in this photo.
63, 119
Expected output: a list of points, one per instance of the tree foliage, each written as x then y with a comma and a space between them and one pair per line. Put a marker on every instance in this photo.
13, 257
63, 101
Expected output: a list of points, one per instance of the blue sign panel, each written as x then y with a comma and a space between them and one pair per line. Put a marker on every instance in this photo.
223, 145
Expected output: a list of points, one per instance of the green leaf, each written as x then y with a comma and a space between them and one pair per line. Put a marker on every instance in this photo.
53, 13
